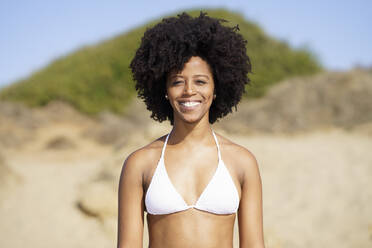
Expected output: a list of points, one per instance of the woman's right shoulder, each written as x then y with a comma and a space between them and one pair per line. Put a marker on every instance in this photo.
146, 155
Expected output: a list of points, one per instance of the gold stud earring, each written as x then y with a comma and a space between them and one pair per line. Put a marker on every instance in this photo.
214, 96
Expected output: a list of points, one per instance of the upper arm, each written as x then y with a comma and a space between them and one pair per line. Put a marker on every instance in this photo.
250, 209
131, 207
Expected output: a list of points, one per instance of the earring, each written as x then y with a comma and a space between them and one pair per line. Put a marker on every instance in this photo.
166, 96
214, 96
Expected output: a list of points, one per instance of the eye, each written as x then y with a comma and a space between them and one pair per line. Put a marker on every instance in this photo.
200, 82
176, 82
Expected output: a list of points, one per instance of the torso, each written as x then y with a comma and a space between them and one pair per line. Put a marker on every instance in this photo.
190, 174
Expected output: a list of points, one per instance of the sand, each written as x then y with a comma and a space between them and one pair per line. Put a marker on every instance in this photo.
317, 190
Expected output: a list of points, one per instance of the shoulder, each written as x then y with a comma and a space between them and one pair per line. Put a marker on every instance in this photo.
233, 150
139, 160
238, 156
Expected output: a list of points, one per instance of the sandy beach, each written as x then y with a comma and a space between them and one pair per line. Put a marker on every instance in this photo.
316, 186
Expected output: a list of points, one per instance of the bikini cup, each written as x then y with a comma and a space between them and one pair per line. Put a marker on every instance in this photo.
220, 196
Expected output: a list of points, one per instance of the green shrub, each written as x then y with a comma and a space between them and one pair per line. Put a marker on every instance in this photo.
97, 78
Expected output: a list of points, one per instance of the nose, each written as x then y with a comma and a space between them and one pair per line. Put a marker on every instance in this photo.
189, 88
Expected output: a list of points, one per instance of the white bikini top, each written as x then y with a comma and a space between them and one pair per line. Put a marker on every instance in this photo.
220, 196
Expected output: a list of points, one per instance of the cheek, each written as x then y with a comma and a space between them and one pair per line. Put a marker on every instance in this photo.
208, 93
172, 95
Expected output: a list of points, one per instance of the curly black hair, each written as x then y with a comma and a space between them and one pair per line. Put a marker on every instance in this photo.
168, 45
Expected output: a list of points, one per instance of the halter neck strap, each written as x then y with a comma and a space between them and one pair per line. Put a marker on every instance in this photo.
218, 146
165, 144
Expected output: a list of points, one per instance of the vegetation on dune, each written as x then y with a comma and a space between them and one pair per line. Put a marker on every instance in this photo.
97, 78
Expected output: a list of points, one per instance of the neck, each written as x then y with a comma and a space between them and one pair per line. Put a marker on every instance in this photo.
191, 133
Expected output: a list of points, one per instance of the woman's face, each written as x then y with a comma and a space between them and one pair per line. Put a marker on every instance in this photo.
190, 91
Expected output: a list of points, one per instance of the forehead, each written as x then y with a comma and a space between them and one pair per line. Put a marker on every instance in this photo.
195, 66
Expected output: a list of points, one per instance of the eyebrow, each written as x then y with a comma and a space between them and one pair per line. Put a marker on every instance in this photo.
202, 75
198, 75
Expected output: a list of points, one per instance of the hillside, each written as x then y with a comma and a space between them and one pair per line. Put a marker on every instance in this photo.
97, 78
64, 165
305, 104
301, 104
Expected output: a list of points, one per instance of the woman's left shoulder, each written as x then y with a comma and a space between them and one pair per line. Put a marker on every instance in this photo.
235, 154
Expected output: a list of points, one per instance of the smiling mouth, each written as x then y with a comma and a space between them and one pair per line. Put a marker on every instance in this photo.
189, 104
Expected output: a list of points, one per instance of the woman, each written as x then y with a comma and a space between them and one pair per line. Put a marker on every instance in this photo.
191, 182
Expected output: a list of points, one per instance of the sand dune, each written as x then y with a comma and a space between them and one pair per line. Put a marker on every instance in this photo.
317, 191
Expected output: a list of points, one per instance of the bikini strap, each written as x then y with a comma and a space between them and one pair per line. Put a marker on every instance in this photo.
218, 146
165, 144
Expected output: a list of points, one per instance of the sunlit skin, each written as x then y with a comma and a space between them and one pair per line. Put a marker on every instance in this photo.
193, 84
190, 159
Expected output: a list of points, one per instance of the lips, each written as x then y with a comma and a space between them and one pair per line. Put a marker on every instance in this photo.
189, 105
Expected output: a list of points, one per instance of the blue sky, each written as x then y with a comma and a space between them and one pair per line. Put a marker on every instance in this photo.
35, 32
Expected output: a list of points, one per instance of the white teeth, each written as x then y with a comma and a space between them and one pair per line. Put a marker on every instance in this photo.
190, 104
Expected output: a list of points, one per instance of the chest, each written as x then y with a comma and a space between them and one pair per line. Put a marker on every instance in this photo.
191, 171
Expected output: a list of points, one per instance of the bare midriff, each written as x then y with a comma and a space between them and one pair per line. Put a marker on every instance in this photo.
191, 228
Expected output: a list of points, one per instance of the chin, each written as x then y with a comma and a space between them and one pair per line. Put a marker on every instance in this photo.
190, 119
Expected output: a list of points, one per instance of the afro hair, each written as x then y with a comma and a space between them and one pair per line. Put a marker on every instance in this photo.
168, 45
